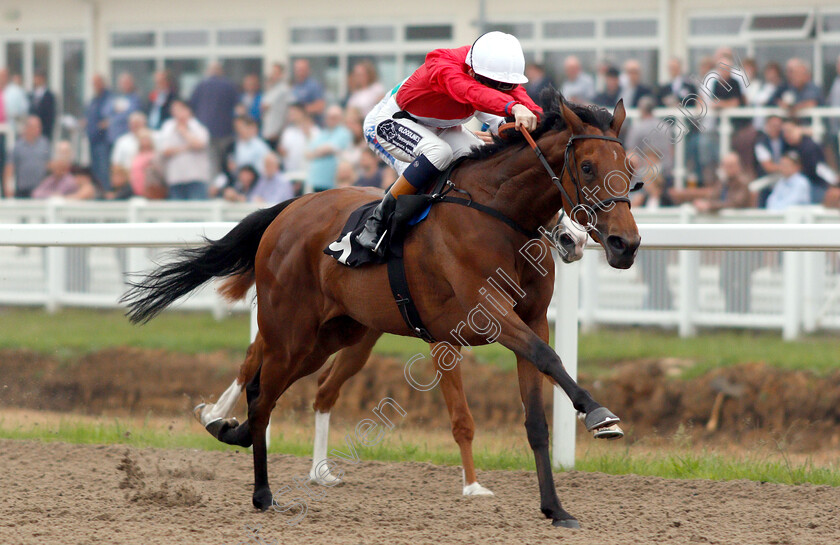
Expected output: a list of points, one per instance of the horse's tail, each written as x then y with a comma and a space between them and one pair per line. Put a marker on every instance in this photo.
232, 255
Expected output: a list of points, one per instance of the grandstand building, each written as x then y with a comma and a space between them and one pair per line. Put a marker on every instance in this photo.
73, 39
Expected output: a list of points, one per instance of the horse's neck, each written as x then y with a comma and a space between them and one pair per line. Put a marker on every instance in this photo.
513, 182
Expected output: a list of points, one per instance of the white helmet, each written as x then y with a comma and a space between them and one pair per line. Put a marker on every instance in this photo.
498, 56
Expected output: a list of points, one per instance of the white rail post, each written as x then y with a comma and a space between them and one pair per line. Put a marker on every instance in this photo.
689, 265
219, 308
792, 282
55, 270
566, 298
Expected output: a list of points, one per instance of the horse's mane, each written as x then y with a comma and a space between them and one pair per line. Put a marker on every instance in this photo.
552, 119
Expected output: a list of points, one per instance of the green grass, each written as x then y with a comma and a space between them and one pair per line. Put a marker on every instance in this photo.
671, 463
79, 331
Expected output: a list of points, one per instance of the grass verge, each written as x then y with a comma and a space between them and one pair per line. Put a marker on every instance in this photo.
494, 452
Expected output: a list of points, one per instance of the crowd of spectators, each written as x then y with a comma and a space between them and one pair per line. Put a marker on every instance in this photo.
244, 141
265, 141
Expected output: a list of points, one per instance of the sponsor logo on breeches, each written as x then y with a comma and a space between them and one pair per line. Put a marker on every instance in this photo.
398, 135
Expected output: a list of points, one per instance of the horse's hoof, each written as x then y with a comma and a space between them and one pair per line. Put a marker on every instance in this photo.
600, 418
197, 412
262, 499
610, 433
323, 479
219, 427
476, 489
566, 523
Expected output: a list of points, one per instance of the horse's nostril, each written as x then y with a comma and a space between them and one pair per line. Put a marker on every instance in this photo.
566, 240
617, 243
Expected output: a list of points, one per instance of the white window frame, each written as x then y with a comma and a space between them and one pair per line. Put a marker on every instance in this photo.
342, 48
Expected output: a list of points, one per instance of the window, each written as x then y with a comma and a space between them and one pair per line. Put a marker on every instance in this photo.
428, 32
831, 23
523, 31
778, 22
648, 59
370, 34
569, 29
186, 38
554, 62
14, 58
186, 73
73, 70
781, 52
41, 59
240, 37
697, 54
132, 39
237, 68
143, 71
314, 35
412, 63
830, 54
715, 26
621, 28
386, 67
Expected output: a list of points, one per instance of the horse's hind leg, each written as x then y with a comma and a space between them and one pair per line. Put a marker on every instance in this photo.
463, 426
216, 417
346, 363
281, 367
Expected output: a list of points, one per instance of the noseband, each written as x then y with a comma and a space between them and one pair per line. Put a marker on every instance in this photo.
569, 156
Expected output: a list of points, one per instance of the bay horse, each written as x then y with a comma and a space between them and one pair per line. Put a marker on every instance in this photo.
216, 417
310, 306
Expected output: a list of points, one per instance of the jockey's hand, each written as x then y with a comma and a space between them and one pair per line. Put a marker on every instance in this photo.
524, 117
484, 136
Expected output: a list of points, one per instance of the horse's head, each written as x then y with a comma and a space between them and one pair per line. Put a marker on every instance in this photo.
595, 177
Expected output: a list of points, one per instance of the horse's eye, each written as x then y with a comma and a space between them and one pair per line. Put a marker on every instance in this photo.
586, 168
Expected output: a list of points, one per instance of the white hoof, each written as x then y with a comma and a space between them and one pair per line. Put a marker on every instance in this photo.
324, 478
476, 489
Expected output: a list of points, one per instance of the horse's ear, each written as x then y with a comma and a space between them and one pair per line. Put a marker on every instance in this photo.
619, 114
570, 117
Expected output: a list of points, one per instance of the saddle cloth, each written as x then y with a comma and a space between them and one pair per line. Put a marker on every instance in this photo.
410, 210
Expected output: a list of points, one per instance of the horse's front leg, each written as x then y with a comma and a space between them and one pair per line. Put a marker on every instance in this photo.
527, 345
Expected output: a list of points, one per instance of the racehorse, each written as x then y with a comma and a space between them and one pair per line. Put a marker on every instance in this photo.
310, 306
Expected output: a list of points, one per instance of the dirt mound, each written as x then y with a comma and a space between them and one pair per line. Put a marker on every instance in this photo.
70, 494
794, 406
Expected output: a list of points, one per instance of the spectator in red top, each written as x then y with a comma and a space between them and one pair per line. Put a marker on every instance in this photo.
418, 127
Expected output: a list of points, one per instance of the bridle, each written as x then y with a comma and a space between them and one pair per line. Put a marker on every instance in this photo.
569, 158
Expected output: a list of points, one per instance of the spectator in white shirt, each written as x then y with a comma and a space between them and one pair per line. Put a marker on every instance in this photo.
793, 189
184, 144
127, 145
297, 135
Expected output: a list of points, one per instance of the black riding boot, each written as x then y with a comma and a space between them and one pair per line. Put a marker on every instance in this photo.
375, 227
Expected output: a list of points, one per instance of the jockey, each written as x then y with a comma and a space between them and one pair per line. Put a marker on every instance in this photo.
418, 127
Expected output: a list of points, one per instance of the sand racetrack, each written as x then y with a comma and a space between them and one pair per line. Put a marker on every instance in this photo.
69, 494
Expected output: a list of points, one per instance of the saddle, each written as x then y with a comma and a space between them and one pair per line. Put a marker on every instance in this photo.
410, 210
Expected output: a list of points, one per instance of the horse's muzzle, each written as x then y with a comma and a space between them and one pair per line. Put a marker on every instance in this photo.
621, 251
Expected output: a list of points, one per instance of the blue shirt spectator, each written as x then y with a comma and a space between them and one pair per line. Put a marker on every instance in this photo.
120, 106
250, 101
213, 102
793, 189
96, 126
307, 91
324, 149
